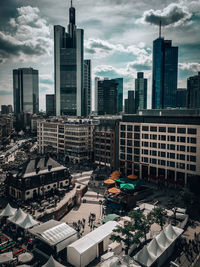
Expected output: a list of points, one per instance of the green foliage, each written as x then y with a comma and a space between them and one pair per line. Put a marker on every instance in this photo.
159, 216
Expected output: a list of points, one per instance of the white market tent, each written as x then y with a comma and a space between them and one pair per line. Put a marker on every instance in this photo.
8, 211
18, 217
6, 257
86, 249
160, 248
28, 222
52, 263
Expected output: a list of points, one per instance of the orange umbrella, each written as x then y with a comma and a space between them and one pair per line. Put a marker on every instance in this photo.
114, 190
109, 181
133, 177
116, 172
114, 177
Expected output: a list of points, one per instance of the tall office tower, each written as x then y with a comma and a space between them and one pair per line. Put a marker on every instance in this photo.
193, 87
131, 102
140, 92
25, 91
69, 68
181, 98
87, 86
126, 106
50, 105
107, 97
97, 79
165, 71
119, 82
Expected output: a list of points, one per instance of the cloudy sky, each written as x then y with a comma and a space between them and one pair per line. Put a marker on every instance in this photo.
118, 38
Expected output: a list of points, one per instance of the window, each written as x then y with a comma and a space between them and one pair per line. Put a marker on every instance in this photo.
122, 142
193, 149
182, 139
136, 128
129, 135
172, 147
136, 136
154, 161
171, 130
136, 151
145, 151
129, 143
145, 136
163, 162
163, 154
122, 135
192, 131
163, 146
181, 130
162, 129
172, 138
191, 167
193, 140
193, 158
122, 148
145, 159
146, 144
180, 165
122, 156
129, 128
182, 148
123, 127
145, 128
154, 145
137, 143
153, 136
136, 158
182, 157
153, 129
154, 153
129, 150
28, 192
129, 157
163, 137
171, 164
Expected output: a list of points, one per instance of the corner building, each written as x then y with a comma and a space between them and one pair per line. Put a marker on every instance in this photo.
161, 146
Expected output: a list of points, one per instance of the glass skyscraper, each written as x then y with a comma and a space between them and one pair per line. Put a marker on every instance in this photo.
25, 91
140, 92
69, 68
119, 82
87, 86
165, 71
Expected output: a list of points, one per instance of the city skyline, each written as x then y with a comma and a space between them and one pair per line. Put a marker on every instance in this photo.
118, 47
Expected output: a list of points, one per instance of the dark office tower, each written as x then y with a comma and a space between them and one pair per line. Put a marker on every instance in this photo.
126, 106
181, 98
68, 68
107, 97
119, 82
50, 105
164, 77
25, 91
140, 92
131, 102
193, 87
87, 86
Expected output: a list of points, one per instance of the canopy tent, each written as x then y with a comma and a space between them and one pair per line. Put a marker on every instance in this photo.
127, 186
25, 257
18, 217
6, 257
109, 181
28, 222
52, 263
125, 180
114, 190
8, 211
160, 248
110, 217
133, 177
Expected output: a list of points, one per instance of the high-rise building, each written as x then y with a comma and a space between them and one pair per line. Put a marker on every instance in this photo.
25, 91
181, 98
69, 68
119, 82
164, 77
50, 105
96, 94
140, 92
107, 97
87, 86
6, 109
131, 102
193, 87
126, 106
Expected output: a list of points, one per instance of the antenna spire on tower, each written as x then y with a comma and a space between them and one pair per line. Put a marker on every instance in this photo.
71, 3
160, 27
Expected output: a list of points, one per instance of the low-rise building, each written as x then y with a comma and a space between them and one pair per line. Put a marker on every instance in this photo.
161, 145
36, 177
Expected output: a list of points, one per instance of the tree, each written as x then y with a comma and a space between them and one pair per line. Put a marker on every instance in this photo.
188, 199
173, 205
159, 216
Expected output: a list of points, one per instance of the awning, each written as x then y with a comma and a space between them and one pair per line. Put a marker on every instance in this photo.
110, 217
125, 180
8, 211
109, 181
114, 190
127, 186
52, 263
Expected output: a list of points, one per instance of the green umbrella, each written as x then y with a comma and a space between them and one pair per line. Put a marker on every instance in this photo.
127, 186
110, 217
129, 181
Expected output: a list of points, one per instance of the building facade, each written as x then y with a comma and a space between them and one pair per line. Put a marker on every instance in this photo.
72, 139
140, 92
6, 109
50, 105
130, 109
69, 68
25, 91
106, 140
6, 127
181, 98
193, 87
164, 76
88, 86
119, 82
160, 146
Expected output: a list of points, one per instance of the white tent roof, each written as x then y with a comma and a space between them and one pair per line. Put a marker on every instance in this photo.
52, 263
158, 245
8, 211
94, 237
28, 222
18, 217
6, 257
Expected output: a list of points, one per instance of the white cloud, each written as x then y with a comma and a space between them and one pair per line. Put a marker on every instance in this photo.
190, 66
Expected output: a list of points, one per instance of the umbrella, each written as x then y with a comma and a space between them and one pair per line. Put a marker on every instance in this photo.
127, 186
132, 177
109, 181
6, 257
110, 217
8, 211
25, 257
114, 190
116, 172
113, 177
